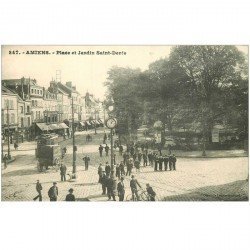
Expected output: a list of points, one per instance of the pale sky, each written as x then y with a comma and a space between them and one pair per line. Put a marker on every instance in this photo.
87, 72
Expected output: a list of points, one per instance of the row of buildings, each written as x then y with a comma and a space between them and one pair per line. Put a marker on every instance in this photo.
29, 109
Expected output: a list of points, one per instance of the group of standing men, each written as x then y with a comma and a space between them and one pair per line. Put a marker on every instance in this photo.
108, 180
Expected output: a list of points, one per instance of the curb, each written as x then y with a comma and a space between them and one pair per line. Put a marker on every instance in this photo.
207, 157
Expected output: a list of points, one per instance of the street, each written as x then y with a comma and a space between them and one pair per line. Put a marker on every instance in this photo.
204, 178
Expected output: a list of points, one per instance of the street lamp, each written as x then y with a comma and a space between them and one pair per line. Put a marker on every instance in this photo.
111, 124
95, 121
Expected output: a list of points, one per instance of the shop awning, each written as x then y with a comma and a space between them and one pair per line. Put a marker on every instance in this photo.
49, 127
100, 121
88, 123
43, 126
82, 123
62, 126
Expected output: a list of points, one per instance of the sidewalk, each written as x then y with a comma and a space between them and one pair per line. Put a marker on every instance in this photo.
210, 153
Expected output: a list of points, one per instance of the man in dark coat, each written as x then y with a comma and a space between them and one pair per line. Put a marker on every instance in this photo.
111, 188
120, 149
150, 159
145, 159
100, 172
107, 169
53, 192
86, 160
118, 171
15, 145
70, 196
104, 179
156, 160
165, 160
129, 167
124, 156
5, 160
160, 159
151, 193
104, 138
132, 151
107, 150
174, 162
137, 165
121, 189
63, 170
100, 150
39, 191
133, 185
139, 156
122, 168
134, 156
170, 161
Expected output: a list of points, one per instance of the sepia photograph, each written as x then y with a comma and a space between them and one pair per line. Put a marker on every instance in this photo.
124, 123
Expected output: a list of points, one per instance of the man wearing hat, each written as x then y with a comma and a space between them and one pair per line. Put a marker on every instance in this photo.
39, 191
133, 185
104, 182
151, 192
121, 189
70, 196
111, 187
53, 192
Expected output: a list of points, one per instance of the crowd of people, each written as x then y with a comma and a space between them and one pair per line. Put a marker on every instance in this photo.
111, 178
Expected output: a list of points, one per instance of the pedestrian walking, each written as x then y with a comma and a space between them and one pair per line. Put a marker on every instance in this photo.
137, 165
16, 146
107, 169
118, 171
63, 170
104, 138
122, 168
5, 160
133, 185
129, 167
150, 192
111, 188
132, 151
100, 150
53, 192
104, 183
70, 196
107, 150
145, 159
150, 158
121, 189
86, 161
39, 189
120, 149
139, 156
100, 170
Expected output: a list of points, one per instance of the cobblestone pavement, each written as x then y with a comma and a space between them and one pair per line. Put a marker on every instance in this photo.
18, 180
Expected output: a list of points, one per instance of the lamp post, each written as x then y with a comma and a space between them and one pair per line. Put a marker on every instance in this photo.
111, 123
74, 146
95, 121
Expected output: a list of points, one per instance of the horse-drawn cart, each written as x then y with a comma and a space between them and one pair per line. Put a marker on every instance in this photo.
48, 153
